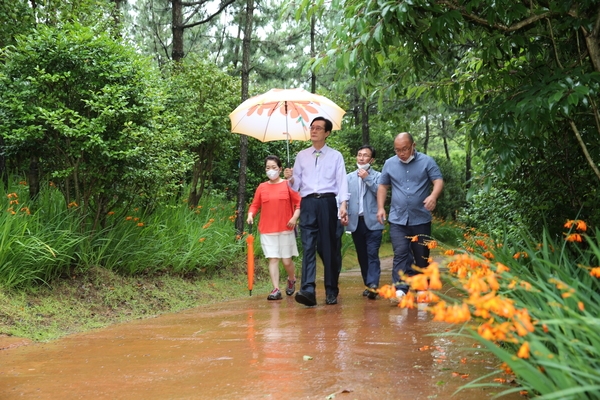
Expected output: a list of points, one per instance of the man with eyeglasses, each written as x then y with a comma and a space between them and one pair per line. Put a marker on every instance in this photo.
366, 230
411, 175
319, 174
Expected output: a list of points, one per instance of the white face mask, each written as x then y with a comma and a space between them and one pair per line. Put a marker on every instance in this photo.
273, 173
365, 166
409, 159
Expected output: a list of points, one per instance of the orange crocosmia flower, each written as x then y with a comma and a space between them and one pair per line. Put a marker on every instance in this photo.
439, 311
523, 323
488, 255
418, 282
449, 252
464, 376
414, 238
545, 328
140, 224
493, 282
485, 331
595, 272
581, 306
496, 304
524, 393
408, 301
481, 243
427, 297
387, 291
507, 370
457, 314
201, 240
435, 282
500, 380
573, 237
432, 244
526, 285
524, 350
581, 225
128, 218
500, 268
517, 255
463, 360
456, 374
476, 284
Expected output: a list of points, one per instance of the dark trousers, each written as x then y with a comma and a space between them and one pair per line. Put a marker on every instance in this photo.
318, 225
339, 232
367, 243
406, 252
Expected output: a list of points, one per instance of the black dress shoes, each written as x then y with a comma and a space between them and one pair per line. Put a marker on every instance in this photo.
372, 295
366, 292
331, 299
306, 298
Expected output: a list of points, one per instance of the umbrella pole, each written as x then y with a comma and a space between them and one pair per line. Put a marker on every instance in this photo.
288, 149
287, 135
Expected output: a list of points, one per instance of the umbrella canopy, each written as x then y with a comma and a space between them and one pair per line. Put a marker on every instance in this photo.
283, 114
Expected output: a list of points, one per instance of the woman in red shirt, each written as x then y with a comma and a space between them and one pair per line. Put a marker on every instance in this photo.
279, 206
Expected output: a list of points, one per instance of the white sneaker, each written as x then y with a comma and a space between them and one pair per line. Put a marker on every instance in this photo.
399, 295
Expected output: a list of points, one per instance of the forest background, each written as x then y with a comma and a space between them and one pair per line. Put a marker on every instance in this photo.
117, 156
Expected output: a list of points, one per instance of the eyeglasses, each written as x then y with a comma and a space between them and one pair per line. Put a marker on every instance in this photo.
366, 155
317, 128
404, 149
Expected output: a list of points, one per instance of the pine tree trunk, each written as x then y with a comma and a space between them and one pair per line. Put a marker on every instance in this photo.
246, 47
177, 52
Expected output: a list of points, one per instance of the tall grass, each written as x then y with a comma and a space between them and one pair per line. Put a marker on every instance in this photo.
533, 302
43, 239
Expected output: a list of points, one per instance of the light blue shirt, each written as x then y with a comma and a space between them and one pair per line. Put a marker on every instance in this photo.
325, 173
363, 193
411, 184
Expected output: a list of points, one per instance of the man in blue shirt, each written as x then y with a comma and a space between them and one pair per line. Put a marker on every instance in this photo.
319, 174
410, 175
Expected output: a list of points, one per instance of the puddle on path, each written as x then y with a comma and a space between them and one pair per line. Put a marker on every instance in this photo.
254, 349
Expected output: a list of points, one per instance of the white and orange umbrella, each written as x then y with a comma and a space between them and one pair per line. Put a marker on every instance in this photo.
283, 114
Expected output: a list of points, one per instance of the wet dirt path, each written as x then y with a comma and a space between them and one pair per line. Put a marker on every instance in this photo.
254, 349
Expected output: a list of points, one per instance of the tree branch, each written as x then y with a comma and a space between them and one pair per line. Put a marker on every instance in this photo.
554, 44
194, 3
484, 22
219, 11
584, 148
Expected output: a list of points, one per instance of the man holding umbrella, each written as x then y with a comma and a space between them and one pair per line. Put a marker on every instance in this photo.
319, 174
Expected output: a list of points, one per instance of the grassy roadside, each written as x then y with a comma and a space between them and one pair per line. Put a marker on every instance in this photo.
100, 298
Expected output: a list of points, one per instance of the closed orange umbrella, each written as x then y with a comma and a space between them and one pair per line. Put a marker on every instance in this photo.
250, 245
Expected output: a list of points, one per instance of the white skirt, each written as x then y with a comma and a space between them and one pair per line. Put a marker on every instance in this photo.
279, 245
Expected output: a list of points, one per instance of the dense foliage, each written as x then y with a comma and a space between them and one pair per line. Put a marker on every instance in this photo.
523, 80
87, 113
